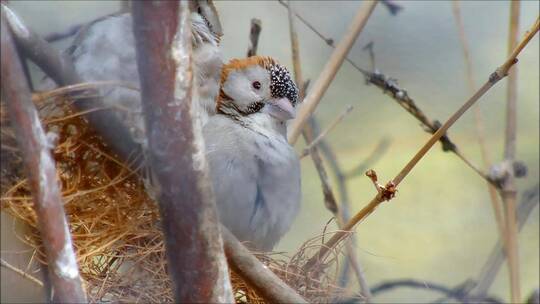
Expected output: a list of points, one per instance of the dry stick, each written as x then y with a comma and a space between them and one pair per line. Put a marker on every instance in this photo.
267, 284
509, 191
21, 273
315, 142
254, 32
447, 144
307, 132
494, 198
529, 200
381, 196
41, 171
59, 67
329, 71
193, 243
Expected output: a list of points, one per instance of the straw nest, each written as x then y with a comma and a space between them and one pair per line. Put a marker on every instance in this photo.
115, 224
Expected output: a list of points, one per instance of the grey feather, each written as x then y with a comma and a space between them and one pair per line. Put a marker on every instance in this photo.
259, 196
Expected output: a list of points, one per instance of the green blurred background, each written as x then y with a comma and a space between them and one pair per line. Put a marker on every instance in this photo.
440, 227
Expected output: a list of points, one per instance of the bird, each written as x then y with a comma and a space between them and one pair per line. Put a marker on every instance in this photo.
104, 50
254, 170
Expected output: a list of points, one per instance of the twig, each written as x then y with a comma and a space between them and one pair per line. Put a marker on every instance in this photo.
459, 293
393, 7
390, 87
390, 188
307, 132
529, 200
41, 172
194, 247
494, 198
329, 71
509, 191
21, 273
254, 32
321, 136
60, 68
258, 276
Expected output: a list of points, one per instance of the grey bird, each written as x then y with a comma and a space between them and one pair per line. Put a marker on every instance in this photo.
104, 50
255, 172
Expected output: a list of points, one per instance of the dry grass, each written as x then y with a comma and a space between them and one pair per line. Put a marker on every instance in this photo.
115, 224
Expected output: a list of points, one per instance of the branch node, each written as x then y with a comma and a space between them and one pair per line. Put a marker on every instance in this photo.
387, 192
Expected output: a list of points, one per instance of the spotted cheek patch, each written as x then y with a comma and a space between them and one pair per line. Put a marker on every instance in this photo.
282, 85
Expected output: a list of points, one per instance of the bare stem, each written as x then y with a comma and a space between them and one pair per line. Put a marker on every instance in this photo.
529, 200
307, 132
18, 271
59, 67
509, 191
254, 32
258, 276
193, 242
41, 171
322, 135
381, 196
329, 71
494, 198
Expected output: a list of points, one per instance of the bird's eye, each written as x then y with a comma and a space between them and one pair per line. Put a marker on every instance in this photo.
256, 85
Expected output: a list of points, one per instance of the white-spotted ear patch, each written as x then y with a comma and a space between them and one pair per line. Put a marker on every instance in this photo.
281, 84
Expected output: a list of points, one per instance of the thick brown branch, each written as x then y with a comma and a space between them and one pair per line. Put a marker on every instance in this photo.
176, 153
258, 276
35, 147
60, 68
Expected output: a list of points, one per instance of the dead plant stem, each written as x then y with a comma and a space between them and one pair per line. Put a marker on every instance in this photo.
494, 198
499, 73
509, 191
330, 70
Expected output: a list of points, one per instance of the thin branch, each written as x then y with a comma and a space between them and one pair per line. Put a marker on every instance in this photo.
390, 188
254, 32
509, 191
488, 274
307, 132
59, 67
321, 136
258, 276
329, 71
18, 271
193, 243
41, 172
459, 293
390, 87
494, 198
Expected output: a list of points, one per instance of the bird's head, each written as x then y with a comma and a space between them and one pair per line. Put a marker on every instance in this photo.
205, 24
257, 85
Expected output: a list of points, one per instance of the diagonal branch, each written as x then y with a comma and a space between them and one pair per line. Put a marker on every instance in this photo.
60, 68
390, 188
529, 200
35, 147
494, 198
308, 133
330, 70
509, 190
193, 242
